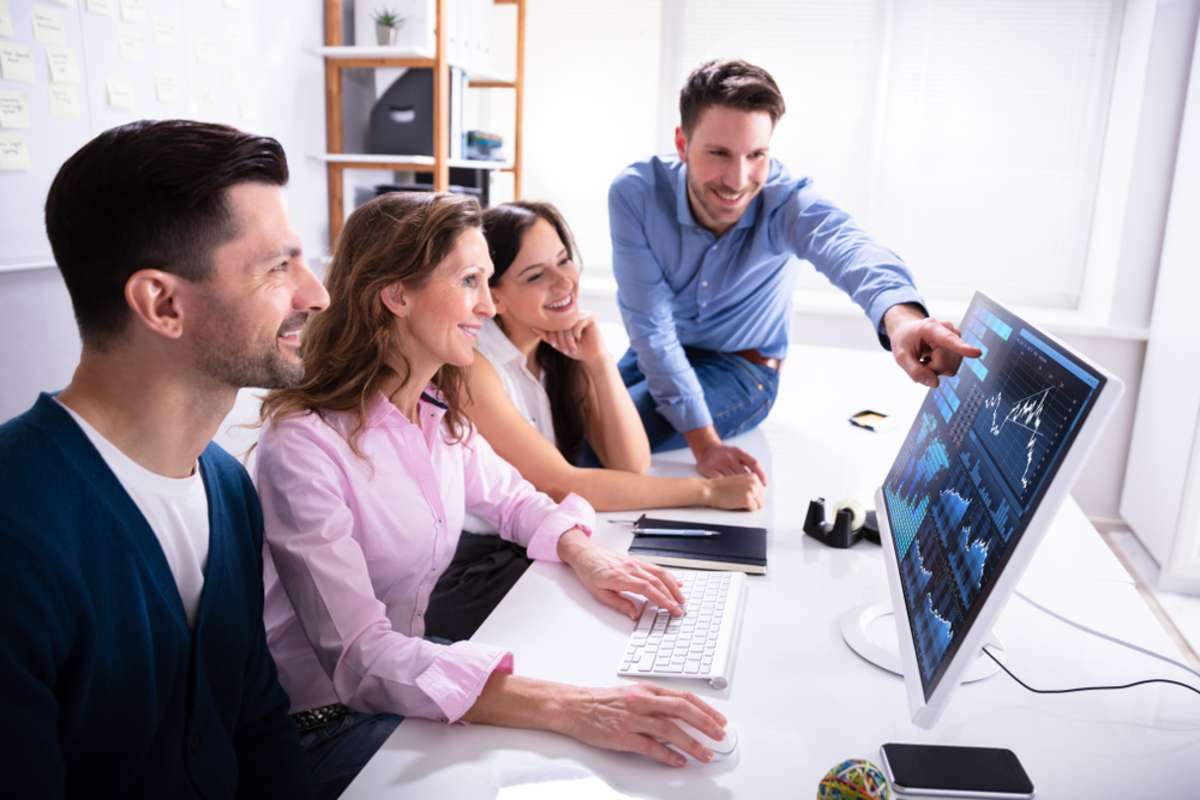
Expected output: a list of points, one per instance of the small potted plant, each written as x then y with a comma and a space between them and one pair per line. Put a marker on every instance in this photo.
386, 25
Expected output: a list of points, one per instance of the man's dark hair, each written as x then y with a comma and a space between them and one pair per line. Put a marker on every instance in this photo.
148, 195
728, 82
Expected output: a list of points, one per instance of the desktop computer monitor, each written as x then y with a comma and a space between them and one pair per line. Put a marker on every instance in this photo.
990, 457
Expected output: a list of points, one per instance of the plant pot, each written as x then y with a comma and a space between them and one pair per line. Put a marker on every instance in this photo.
385, 35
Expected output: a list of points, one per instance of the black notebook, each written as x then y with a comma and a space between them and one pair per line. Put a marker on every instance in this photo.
738, 548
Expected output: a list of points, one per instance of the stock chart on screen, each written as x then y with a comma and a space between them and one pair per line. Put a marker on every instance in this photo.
974, 467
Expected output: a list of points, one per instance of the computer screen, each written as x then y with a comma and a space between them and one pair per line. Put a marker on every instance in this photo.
984, 448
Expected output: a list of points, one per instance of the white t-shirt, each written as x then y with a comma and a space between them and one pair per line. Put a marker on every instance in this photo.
175, 508
528, 394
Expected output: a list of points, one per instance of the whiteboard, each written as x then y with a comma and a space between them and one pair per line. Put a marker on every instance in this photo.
133, 59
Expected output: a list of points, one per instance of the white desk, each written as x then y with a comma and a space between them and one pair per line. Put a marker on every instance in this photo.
801, 700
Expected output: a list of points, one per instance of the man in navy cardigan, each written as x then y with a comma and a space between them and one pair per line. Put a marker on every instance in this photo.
133, 660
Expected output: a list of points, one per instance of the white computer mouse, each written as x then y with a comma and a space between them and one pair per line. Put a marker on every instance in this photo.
721, 749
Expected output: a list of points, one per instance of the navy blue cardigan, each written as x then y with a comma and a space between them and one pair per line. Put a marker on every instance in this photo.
104, 691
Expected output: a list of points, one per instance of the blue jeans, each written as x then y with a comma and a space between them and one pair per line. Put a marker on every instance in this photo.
738, 392
338, 750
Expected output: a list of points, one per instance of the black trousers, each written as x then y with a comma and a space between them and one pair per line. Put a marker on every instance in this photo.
484, 568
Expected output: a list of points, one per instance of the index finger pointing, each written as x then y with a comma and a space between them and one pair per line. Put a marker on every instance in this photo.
942, 337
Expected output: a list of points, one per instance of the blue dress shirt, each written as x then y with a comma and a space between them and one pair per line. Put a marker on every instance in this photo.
678, 285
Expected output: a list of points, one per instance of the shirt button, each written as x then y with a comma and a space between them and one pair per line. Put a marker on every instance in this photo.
704, 284
712, 249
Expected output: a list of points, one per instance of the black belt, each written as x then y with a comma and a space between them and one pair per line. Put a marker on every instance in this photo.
316, 717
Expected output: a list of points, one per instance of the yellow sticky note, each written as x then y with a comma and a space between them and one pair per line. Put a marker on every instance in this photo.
164, 31
64, 66
49, 25
104, 8
64, 100
6, 29
166, 87
120, 93
16, 62
131, 43
14, 155
133, 10
14, 110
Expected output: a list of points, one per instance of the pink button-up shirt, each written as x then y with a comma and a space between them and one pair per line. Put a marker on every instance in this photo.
354, 547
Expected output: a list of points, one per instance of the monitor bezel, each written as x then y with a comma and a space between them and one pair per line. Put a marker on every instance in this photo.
926, 711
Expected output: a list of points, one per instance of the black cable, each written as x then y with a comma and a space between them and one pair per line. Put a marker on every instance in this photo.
1086, 688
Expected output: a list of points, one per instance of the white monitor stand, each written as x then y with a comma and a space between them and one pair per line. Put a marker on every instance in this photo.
881, 647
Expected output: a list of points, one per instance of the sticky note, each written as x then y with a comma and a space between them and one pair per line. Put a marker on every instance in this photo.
67, 3
64, 66
16, 62
208, 53
14, 109
49, 25
166, 87
64, 100
14, 155
120, 93
6, 29
164, 31
131, 43
105, 8
232, 4
133, 10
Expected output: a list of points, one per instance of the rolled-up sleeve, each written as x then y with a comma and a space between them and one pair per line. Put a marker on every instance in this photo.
497, 494
875, 278
309, 535
645, 300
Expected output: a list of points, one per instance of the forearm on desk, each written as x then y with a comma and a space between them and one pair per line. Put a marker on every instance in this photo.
513, 701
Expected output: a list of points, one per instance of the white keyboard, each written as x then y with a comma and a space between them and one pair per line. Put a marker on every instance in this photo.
700, 644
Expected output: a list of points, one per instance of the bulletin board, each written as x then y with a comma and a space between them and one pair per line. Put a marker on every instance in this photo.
70, 69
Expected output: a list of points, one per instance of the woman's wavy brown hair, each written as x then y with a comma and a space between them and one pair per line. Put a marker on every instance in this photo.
395, 237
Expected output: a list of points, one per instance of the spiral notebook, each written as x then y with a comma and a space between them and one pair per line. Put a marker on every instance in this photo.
739, 547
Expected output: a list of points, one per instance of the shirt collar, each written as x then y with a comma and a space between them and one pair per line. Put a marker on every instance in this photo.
683, 209
495, 344
381, 413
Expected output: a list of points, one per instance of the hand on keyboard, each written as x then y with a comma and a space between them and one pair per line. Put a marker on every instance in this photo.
606, 574
639, 719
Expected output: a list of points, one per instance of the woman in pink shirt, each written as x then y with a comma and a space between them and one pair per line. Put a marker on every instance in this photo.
366, 470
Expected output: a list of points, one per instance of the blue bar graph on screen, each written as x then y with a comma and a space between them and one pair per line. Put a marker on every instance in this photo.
972, 468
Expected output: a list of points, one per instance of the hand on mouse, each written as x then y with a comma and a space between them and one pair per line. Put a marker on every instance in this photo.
639, 719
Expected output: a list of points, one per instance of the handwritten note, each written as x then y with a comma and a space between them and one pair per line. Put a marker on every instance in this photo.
166, 87
64, 66
49, 25
133, 10
6, 29
16, 62
208, 52
14, 110
64, 100
120, 93
105, 8
164, 31
131, 43
14, 155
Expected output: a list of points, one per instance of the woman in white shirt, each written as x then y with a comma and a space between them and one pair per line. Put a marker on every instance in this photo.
546, 385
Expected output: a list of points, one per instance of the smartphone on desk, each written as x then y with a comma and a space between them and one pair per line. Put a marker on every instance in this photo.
927, 770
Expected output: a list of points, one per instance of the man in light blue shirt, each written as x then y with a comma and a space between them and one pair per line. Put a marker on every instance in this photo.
703, 252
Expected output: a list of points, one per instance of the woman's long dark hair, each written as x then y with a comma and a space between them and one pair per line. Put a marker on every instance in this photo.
566, 382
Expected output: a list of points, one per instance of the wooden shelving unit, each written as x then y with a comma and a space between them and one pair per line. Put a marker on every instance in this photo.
339, 56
